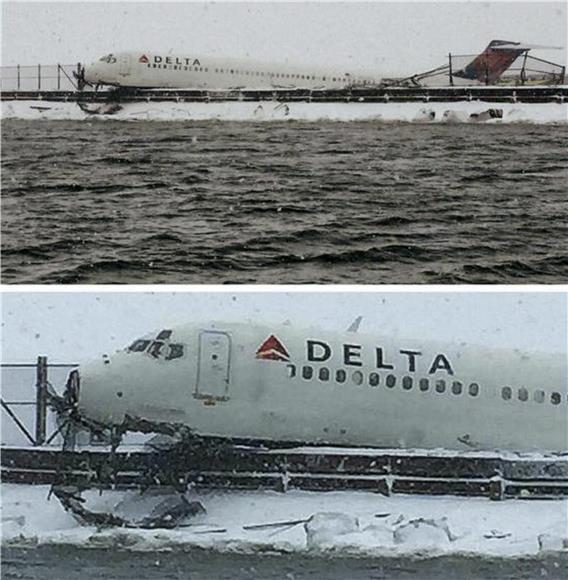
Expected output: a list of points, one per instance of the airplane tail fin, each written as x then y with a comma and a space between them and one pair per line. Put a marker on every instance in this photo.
488, 66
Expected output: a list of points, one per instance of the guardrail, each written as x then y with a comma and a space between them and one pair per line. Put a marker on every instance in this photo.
35, 433
40, 77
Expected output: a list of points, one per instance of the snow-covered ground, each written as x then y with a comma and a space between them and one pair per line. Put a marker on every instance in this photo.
339, 523
459, 112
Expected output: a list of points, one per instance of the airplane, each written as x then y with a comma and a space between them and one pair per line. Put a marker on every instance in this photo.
152, 70
273, 384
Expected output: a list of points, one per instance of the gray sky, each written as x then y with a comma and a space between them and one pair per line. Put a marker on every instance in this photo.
386, 37
76, 326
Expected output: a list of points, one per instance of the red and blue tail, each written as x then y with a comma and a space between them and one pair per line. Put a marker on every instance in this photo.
492, 62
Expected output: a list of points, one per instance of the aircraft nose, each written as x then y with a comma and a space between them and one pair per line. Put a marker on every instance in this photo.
90, 74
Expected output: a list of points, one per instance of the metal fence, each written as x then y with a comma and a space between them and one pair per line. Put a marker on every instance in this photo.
26, 418
525, 70
57, 77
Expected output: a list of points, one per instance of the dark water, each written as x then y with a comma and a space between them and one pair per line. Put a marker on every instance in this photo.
195, 564
225, 202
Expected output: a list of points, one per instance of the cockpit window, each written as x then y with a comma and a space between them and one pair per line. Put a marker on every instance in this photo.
164, 335
139, 345
109, 59
175, 351
155, 348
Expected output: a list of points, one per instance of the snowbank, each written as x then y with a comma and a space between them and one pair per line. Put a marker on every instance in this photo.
459, 112
341, 523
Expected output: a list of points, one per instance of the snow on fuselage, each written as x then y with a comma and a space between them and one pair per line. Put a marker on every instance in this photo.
284, 384
149, 70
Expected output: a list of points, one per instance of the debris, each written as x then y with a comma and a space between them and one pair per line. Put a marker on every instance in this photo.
100, 109
486, 115
385, 515
277, 524
213, 531
167, 513
496, 535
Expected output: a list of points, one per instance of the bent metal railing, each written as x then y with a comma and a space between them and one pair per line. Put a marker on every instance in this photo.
56, 77
36, 433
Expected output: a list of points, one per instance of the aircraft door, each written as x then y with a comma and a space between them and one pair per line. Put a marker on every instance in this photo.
124, 65
213, 372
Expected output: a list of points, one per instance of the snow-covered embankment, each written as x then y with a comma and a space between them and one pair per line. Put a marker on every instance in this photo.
458, 112
340, 523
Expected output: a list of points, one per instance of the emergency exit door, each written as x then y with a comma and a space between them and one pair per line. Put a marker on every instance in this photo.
124, 64
214, 364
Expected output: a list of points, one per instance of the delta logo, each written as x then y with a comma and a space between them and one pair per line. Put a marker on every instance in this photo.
272, 349
144, 59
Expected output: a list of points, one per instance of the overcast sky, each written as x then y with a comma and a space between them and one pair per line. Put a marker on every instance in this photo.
74, 327
386, 37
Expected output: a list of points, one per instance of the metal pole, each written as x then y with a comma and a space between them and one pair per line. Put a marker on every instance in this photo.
523, 69
451, 71
58, 77
18, 67
41, 400
39, 77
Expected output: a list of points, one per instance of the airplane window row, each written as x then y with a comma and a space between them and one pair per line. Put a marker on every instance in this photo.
374, 379
247, 73
539, 396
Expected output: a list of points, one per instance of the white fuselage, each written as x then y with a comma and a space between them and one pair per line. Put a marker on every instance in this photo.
150, 70
233, 380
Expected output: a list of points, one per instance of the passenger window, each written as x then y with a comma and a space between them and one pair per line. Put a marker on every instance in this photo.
440, 386
155, 349
538, 396
555, 398
474, 389
176, 351
390, 381
407, 383
340, 376
307, 372
139, 345
324, 374
291, 371
457, 388
506, 393
424, 384
357, 377
374, 379
164, 335
523, 394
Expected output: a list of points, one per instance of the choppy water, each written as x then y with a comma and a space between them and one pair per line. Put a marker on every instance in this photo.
221, 202
196, 564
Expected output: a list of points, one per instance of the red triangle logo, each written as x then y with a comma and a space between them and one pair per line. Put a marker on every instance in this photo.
144, 59
272, 349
